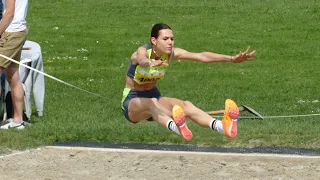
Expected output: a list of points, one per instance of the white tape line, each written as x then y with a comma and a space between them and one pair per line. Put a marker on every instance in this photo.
270, 117
45, 74
178, 152
300, 115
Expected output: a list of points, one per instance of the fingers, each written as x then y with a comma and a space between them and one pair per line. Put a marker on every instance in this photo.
165, 63
248, 54
253, 53
242, 55
245, 56
248, 49
160, 62
156, 63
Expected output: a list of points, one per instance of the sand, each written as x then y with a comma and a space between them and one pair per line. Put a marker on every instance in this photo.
82, 163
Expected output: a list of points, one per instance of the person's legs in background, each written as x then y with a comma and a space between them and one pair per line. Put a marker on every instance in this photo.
17, 92
11, 44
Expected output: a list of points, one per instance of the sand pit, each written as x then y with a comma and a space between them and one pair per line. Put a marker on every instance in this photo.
99, 163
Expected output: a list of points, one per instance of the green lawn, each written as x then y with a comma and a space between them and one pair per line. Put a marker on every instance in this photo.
88, 44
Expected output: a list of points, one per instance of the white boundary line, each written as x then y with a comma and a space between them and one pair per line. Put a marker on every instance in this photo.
179, 152
163, 152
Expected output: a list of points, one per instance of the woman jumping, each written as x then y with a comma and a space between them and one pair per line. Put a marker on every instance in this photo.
142, 100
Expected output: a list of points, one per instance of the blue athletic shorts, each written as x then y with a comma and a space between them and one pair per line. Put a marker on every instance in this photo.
128, 94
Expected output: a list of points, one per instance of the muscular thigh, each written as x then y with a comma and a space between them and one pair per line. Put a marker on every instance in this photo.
138, 109
168, 102
136, 104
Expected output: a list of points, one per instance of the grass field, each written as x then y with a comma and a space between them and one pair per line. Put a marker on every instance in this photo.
88, 44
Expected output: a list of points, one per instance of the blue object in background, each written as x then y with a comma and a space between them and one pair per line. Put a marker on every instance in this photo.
1, 9
3, 78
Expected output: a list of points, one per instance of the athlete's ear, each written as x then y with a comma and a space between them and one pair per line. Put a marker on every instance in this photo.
153, 41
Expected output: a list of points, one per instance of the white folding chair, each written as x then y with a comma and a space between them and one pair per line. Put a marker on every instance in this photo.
32, 81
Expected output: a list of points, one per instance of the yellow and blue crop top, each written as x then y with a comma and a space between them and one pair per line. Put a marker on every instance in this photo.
150, 74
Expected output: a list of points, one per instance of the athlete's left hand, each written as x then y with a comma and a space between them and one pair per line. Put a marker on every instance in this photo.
159, 62
155, 63
244, 56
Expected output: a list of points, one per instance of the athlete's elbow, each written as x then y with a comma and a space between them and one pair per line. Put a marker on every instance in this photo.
203, 58
206, 61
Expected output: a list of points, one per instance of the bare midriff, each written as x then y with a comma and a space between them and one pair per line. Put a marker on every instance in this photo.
133, 85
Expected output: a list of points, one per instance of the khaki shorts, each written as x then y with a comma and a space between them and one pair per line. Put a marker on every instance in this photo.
11, 44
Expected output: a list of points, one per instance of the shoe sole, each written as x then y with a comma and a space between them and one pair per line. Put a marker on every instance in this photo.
230, 118
180, 120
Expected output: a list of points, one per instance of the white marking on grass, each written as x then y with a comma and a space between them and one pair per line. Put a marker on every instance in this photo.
307, 101
82, 50
180, 152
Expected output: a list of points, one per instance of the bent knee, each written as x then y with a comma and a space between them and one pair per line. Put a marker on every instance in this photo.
187, 104
153, 103
154, 100
188, 108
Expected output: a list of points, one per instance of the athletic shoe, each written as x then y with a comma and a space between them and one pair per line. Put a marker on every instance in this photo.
230, 118
180, 120
10, 124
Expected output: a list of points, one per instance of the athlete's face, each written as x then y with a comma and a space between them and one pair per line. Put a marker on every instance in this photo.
164, 43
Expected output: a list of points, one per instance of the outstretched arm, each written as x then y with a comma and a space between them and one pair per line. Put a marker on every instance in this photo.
208, 57
140, 57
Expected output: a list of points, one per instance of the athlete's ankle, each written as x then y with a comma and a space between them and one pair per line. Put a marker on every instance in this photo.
216, 125
171, 125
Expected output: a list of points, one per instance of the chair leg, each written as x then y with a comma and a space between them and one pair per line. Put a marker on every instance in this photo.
4, 112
